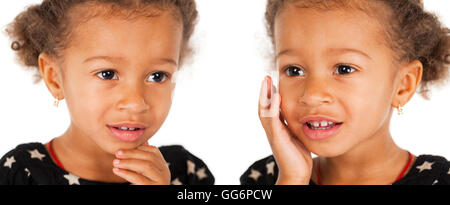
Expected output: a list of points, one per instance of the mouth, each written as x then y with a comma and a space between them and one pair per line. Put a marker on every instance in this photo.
322, 125
127, 132
320, 128
127, 128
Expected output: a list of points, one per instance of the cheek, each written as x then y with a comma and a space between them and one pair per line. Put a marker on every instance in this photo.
367, 106
289, 92
87, 104
160, 102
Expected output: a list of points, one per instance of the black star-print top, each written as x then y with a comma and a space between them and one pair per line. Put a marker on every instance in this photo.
426, 170
30, 164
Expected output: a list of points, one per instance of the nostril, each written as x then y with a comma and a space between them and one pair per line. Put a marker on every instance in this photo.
132, 102
317, 99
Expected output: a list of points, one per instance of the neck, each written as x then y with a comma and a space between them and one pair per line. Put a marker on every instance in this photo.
81, 156
378, 160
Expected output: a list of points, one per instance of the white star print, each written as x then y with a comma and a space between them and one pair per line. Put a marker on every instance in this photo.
9, 162
36, 154
425, 166
73, 180
435, 182
27, 171
254, 174
176, 181
191, 167
201, 173
270, 167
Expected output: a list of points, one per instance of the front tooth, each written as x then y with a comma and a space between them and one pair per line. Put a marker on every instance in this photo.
124, 128
132, 129
316, 124
324, 123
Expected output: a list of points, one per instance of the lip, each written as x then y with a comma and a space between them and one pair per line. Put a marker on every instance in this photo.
318, 118
319, 134
127, 136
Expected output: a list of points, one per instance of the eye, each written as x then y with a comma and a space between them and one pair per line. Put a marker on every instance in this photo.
157, 77
294, 71
107, 75
344, 70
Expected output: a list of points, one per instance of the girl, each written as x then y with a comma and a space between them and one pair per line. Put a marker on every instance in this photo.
343, 66
113, 61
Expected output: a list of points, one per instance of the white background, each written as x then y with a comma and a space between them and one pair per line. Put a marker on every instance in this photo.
214, 114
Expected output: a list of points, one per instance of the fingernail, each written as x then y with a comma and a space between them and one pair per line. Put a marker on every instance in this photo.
116, 170
120, 152
116, 162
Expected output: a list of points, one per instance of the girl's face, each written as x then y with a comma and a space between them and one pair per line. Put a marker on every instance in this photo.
117, 77
337, 79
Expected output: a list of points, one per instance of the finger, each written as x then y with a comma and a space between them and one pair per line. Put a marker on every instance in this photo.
155, 151
264, 95
274, 124
279, 129
273, 88
151, 155
132, 177
282, 119
275, 111
266, 98
141, 167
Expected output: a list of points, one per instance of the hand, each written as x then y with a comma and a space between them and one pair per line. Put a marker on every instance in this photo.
144, 165
293, 159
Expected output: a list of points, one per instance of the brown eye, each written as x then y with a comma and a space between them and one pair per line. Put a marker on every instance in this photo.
107, 75
157, 77
294, 71
344, 70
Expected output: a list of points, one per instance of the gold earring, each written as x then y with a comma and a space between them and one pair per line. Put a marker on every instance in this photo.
400, 110
56, 103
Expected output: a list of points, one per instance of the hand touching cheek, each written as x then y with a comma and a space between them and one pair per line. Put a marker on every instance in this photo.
293, 159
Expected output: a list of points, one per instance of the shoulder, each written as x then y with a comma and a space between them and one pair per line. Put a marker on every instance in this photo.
428, 170
261, 172
14, 165
185, 167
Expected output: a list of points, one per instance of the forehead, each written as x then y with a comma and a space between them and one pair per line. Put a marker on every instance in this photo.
157, 33
320, 28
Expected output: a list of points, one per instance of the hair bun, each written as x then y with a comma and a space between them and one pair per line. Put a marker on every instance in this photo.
16, 45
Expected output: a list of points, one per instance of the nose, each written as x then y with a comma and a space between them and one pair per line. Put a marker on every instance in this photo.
316, 92
132, 99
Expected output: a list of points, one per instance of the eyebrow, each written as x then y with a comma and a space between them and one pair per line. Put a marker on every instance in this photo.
283, 52
350, 50
118, 59
106, 58
345, 50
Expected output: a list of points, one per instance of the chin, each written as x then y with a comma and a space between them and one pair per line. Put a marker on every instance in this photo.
126, 145
111, 147
327, 152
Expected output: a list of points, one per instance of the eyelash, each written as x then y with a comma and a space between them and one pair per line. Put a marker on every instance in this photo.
336, 72
102, 75
345, 65
165, 76
288, 69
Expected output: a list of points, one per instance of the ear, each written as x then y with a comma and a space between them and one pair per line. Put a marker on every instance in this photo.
409, 78
51, 74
